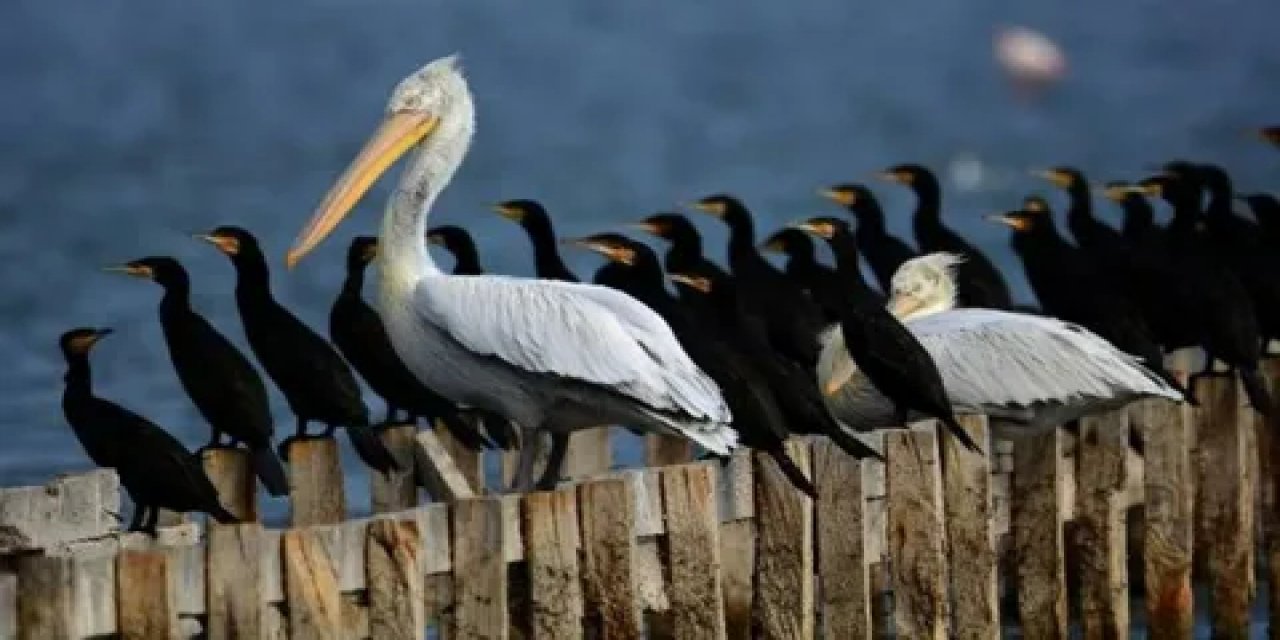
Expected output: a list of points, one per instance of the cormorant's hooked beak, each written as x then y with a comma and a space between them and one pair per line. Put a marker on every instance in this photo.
1053, 176
398, 133
225, 244
824, 231
1017, 224
513, 213
135, 270
840, 197
773, 246
436, 239
647, 227
612, 252
695, 282
713, 207
900, 177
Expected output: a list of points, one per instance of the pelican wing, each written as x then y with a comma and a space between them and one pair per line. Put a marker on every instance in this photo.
578, 331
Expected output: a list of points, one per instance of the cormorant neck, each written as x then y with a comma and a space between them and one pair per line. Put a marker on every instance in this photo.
686, 245
177, 295
845, 250
1081, 202
742, 232
78, 376
929, 198
869, 214
466, 259
252, 276
547, 262
1139, 217
353, 284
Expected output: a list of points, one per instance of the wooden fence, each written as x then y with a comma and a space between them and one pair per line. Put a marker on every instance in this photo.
938, 542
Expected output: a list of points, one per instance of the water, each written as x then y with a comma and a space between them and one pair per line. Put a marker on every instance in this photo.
125, 126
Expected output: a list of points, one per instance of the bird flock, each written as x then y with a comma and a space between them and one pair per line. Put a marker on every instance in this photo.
676, 344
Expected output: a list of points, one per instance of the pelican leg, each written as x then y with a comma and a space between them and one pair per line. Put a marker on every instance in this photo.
523, 480
555, 462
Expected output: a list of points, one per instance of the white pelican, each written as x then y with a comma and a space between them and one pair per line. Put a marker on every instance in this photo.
1016, 368
552, 356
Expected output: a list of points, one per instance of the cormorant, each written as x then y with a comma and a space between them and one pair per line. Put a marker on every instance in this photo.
685, 252
1138, 228
546, 255
357, 331
633, 269
314, 379
155, 469
980, 281
1091, 234
803, 268
1266, 210
885, 351
792, 318
221, 382
459, 244
883, 251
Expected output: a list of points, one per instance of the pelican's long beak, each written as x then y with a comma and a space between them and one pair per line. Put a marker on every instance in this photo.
399, 133
902, 306
842, 371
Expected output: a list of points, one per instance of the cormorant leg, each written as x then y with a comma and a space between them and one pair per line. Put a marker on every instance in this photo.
523, 479
153, 519
215, 442
555, 460
328, 430
135, 523
391, 415
301, 430
900, 415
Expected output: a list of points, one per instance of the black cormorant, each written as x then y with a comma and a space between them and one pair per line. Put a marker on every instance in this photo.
532, 216
460, 245
883, 251
802, 266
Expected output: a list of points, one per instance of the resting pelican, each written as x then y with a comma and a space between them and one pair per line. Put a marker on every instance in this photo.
554, 356
1018, 369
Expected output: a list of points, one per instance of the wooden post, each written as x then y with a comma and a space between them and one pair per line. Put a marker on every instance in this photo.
783, 606
396, 490
970, 524
842, 551
311, 587
236, 603
662, 450
45, 596
1226, 507
444, 481
511, 459
1271, 515
1165, 428
393, 554
468, 462
607, 512
1037, 531
231, 472
551, 555
479, 570
590, 454
315, 480
916, 533
693, 552
1101, 456
144, 601
737, 542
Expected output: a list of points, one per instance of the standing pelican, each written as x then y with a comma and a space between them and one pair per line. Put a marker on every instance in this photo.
548, 355
1019, 369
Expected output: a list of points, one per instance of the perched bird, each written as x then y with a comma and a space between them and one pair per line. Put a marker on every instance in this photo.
553, 356
357, 331
155, 469
883, 251
532, 216
792, 318
634, 270
685, 252
1138, 228
1092, 235
1266, 210
1022, 371
460, 245
803, 268
885, 351
314, 379
979, 280
221, 382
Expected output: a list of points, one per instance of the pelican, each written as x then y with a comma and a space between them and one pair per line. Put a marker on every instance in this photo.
551, 356
1019, 369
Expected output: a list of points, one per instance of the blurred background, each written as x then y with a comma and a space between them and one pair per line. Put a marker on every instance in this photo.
126, 126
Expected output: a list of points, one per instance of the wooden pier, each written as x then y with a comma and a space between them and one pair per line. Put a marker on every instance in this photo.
1052, 532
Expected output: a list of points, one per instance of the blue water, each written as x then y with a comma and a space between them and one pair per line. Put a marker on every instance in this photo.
124, 126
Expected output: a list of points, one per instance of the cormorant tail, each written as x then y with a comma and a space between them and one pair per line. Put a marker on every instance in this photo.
501, 431
223, 516
270, 470
792, 472
365, 440
853, 446
1255, 387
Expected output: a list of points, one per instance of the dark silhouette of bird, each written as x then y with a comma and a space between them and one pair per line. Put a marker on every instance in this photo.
1095, 237
1138, 226
461, 246
1266, 210
155, 469
532, 216
685, 250
316, 382
883, 251
802, 267
793, 319
979, 281
220, 381
884, 350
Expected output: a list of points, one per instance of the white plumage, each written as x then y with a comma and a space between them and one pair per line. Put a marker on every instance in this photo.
1014, 367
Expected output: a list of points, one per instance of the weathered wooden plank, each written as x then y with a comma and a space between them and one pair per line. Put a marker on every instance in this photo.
783, 606
236, 602
1271, 479
441, 475
1167, 543
969, 513
8, 602
144, 599
45, 597
470, 463
396, 490
1225, 511
551, 555
396, 599
737, 566
317, 494
693, 552
480, 570
916, 533
1038, 538
590, 454
73, 507
608, 540
662, 450
231, 471
737, 492
1101, 457
311, 586
841, 536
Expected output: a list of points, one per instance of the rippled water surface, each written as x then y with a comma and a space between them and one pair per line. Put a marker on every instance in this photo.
125, 126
